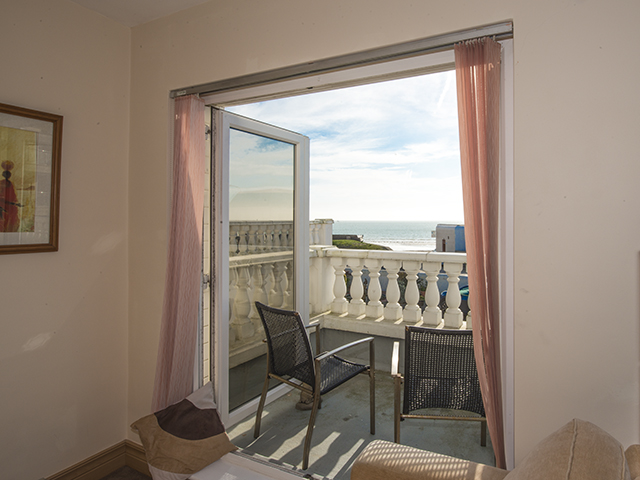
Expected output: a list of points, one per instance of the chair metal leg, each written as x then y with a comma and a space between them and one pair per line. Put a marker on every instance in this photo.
483, 433
372, 401
396, 408
263, 397
312, 421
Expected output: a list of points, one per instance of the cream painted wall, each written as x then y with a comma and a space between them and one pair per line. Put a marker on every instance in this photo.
63, 315
576, 170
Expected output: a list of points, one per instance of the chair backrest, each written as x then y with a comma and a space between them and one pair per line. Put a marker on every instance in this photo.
289, 349
440, 371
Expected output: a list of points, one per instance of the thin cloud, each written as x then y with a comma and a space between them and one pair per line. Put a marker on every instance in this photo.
383, 151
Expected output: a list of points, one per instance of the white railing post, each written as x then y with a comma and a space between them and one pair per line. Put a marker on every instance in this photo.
268, 238
244, 239
393, 310
356, 305
242, 305
339, 304
288, 290
453, 316
314, 228
432, 315
233, 240
267, 276
276, 298
253, 238
412, 311
374, 308
259, 293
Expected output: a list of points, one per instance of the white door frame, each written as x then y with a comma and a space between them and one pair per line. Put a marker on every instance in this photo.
222, 123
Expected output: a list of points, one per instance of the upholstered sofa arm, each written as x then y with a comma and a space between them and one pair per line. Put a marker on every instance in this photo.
632, 454
382, 460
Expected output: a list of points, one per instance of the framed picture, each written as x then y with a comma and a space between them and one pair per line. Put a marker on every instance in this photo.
30, 151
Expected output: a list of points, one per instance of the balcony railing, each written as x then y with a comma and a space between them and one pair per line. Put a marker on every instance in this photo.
355, 290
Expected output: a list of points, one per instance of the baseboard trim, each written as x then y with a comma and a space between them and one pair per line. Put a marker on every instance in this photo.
103, 463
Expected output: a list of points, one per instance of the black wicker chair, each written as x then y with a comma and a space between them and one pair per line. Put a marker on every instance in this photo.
289, 357
439, 373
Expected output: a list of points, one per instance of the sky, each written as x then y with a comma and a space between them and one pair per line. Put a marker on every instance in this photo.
385, 151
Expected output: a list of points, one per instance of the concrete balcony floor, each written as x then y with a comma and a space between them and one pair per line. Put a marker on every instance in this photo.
342, 430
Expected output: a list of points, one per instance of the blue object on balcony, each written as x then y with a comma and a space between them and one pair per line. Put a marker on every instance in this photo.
464, 293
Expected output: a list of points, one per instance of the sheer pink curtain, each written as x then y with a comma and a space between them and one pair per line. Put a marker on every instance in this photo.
178, 331
478, 83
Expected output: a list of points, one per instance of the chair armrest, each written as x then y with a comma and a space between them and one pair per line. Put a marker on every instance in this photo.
317, 332
382, 460
395, 358
343, 347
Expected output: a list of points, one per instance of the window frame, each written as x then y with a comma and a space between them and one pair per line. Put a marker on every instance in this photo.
265, 86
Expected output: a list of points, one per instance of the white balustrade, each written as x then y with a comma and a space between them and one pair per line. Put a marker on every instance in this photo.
261, 269
412, 268
261, 277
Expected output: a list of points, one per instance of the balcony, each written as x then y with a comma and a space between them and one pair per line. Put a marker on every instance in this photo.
352, 293
361, 291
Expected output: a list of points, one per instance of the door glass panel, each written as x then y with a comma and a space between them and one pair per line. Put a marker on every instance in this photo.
261, 251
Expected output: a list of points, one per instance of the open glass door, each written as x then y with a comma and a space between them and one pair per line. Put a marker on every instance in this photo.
261, 248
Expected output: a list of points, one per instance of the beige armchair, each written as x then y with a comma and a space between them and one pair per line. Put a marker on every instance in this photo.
577, 451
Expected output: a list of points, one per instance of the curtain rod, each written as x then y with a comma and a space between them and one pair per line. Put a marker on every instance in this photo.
500, 31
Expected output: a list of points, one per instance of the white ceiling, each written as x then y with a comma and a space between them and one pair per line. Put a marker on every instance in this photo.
137, 12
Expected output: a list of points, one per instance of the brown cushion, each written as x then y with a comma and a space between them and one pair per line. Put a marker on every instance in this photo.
578, 451
184, 437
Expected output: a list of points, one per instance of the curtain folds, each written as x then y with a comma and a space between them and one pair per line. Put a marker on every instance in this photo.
478, 85
178, 331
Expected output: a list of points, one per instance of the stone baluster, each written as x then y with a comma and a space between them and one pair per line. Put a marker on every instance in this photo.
412, 312
339, 304
432, 315
244, 239
252, 244
276, 297
357, 305
259, 294
453, 316
468, 319
234, 237
267, 275
277, 238
314, 233
288, 290
242, 305
233, 289
261, 237
393, 310
374, 308
268, 241
288, 236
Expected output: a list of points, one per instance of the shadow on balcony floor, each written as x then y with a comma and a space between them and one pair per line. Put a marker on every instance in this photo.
342, 430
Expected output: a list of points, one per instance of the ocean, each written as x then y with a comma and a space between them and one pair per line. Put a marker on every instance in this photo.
397, 235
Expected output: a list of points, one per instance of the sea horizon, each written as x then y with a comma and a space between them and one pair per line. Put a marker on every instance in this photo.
399, 235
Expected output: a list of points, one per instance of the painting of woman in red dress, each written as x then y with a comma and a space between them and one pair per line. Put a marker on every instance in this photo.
9, 217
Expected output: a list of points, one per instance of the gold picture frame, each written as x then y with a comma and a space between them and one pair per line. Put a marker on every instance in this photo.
30, 156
